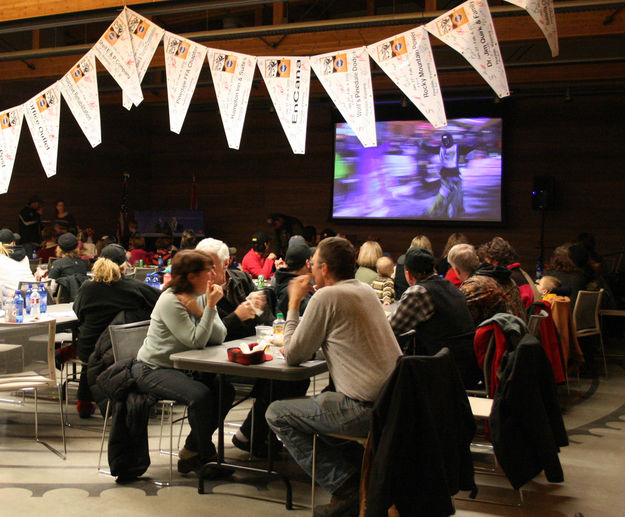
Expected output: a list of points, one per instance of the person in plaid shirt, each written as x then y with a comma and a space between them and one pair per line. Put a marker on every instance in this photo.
437, 311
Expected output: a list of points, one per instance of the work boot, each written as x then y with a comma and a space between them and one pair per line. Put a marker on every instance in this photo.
345, 500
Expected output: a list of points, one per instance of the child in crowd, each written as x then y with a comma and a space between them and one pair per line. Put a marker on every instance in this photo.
383, 285
164, 249
137, 252
546, 285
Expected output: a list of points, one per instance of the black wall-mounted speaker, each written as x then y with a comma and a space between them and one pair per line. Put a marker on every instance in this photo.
543, 193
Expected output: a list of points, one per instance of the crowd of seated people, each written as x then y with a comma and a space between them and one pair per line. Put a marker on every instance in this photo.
333, 294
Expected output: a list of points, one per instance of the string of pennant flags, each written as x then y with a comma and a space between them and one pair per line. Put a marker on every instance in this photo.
127, 47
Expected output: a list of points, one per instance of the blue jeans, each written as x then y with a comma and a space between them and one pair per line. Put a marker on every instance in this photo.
201, 397
295, 421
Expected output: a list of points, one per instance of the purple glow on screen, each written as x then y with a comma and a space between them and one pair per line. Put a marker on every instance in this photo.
418, 172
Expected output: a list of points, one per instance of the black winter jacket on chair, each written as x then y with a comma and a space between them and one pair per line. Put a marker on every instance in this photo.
526, 424
421, 432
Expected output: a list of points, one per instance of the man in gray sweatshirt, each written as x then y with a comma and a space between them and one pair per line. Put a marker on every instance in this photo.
346, 320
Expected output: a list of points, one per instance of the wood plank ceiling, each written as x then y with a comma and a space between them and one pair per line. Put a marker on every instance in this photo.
40, 41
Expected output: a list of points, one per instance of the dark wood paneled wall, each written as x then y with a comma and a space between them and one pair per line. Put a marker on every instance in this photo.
580, 143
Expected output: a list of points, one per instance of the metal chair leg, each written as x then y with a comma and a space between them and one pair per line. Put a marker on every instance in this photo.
314, 464
60, 390
106, 419
252, 433
38, 440
605, 364
184, 416
171, 444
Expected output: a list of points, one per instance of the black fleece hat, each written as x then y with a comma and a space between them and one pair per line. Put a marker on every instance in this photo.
419, 261
7, 236
68, 242
114, 252
297, 255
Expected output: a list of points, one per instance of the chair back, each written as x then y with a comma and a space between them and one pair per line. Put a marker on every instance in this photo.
142, 272
586, 311
488, 364
34, 264
37, 358
533, 324
126, 340
23, 287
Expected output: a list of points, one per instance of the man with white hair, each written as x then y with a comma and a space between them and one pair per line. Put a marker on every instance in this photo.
239, 316
235, 310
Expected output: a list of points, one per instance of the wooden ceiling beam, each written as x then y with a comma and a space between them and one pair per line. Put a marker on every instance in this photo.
22, 9
518, 28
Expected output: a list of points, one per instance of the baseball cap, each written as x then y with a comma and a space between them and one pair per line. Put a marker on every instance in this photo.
296, 256
419, 260
114, 252
260, 237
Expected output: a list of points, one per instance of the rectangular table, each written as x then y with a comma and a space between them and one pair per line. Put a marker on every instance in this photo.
215, 360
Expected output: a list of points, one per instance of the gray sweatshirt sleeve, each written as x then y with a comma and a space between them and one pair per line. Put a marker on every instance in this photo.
190, 332
303, 338
218, 329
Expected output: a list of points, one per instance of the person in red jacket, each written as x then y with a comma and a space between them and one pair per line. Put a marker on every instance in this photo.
256, 261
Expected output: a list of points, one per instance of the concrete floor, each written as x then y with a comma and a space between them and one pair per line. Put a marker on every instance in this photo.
33, 481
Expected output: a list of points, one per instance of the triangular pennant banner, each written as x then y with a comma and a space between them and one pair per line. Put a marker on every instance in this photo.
408, 60
232, 75
346, 76
288, 83
42, 114
79, 88
144, 38
469, 30
183, 64
545, 17
10, 129
114, 51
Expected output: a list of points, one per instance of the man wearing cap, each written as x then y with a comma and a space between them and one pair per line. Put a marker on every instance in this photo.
14, 264
69, 263
30, 224
438, 312
297, 263
256, 261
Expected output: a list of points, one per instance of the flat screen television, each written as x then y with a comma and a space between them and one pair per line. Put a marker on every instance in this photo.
420, 173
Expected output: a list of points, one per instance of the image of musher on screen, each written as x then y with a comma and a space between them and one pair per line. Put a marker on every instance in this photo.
449, 201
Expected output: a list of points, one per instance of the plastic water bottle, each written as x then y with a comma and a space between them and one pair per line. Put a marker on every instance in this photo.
35, 254
35, 301
43, 299
278, 329
29, 293
19, 307
160, 261
9, 309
